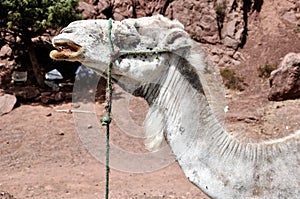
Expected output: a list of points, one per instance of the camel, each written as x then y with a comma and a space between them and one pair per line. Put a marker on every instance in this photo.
184, 93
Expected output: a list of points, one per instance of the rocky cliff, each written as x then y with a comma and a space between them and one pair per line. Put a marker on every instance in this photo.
223, 26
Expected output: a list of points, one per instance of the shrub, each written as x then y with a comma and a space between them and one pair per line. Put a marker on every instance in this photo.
231, 80
220, 9
265, 70
22, 20
297, 28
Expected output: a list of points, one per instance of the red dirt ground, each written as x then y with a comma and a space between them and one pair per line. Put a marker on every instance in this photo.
42, 157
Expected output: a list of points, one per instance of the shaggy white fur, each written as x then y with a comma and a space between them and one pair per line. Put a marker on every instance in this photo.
184, 92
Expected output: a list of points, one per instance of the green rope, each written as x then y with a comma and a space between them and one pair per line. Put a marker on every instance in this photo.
105, 121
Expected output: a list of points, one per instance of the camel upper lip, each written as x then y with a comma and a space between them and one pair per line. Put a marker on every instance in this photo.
66, 45
66, 50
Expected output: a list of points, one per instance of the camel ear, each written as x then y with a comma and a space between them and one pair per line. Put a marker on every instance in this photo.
176, 39
125, 36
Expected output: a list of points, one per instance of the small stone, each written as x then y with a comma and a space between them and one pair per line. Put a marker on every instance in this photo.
290, 17
75, 105
7, 103
230, 52
238, 34
216, 51
46, 99
215, 58
231, 28
226, 59
28, 92
235, 62
59, 96
238, 56
232, 43
5, 51
49, 114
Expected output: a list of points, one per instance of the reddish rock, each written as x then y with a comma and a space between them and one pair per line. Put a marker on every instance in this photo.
7, 103
198, 17
96, 9
5, 51
88, 10
123, 9
230, 42
150, 7
26, 93
285, 81
6, 195
60, 96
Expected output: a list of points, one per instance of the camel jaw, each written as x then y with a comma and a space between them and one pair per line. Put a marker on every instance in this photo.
66, 50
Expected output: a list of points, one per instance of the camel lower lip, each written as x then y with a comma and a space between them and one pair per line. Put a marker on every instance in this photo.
65, 50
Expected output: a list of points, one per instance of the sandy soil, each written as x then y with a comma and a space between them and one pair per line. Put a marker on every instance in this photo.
43, 157
42, 154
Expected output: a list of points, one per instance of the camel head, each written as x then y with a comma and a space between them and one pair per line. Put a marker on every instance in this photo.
138, 45
84, 41
155, 56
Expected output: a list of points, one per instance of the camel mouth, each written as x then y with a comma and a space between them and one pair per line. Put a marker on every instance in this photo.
66, 50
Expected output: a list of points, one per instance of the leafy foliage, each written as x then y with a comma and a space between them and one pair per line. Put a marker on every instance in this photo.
30, 18
22, 20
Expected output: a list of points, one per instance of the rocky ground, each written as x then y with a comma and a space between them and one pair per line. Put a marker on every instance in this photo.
42, 156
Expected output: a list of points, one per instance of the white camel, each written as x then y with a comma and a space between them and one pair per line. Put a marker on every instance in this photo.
178, 83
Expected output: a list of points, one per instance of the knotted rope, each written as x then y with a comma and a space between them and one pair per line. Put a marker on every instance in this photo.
105, 121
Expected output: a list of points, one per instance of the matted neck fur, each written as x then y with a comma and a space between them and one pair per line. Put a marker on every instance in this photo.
178, 83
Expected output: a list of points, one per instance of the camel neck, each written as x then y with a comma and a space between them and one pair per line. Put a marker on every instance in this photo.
216, 161
187, 113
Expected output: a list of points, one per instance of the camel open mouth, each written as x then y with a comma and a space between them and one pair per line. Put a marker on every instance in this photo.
66, 50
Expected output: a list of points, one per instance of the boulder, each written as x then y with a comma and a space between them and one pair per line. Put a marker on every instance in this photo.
88, 10
5, 51
96, 9
26, 93
231, 43
7, 103
285, 81
198, 17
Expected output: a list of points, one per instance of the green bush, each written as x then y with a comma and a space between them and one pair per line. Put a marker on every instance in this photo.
231, 80
265, 70
31, 18
297, 28
22, 20
220, 9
